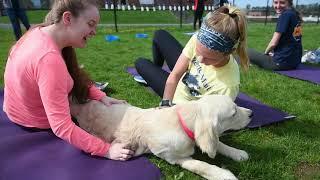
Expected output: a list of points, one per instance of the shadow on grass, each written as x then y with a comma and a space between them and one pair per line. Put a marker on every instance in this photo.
110, 91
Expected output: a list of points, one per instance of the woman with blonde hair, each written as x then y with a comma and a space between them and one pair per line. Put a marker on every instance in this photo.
42, 72
206, 64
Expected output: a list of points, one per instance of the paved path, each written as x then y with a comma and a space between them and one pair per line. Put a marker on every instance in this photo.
5, 26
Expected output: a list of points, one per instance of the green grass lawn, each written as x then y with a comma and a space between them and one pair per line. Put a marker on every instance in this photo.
289, 150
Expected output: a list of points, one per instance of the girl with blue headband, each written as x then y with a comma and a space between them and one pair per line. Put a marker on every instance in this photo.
284, 50
206, 64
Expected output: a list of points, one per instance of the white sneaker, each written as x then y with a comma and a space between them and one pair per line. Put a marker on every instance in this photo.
101, 85
139, 79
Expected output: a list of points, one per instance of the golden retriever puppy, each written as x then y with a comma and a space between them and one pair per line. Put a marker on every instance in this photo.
170, 133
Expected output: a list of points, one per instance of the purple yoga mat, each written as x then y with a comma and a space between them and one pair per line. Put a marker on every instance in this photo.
262, 114
132, 71
304, 72
39, 155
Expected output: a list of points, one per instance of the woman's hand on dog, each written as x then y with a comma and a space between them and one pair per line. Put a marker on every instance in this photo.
108, 101
119, 151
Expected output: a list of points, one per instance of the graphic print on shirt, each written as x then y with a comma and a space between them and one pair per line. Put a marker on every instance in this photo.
297, 32
196, 82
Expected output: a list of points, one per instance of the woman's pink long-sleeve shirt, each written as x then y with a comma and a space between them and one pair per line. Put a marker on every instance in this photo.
37, 85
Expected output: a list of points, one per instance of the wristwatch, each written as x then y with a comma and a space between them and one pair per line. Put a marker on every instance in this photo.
166, 102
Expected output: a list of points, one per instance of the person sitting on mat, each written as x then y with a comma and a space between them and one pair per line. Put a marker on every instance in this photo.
284, 50
42, 72
205, 65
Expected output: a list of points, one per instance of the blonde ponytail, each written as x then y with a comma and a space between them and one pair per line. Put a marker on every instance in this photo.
241, 49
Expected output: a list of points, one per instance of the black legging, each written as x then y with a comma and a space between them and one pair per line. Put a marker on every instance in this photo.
262, 60
164, 48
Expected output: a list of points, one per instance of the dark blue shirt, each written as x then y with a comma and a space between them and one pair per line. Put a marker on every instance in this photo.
288, 52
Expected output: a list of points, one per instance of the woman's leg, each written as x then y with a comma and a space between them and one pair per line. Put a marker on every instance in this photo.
165, 47
21, 13
154, 75
262, 60
195, 18
14, 22
200, 18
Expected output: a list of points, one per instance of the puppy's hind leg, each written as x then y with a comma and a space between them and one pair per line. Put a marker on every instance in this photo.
205, 170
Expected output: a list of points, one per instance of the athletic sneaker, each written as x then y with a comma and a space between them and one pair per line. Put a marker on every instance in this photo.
101, 85
311, 56
139, 79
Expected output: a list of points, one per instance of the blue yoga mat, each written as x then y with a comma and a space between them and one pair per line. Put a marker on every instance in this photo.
304, 72
262, 114
40, 155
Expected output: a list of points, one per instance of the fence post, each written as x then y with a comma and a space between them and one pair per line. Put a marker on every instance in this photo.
267, 12
180, 13
318, 14
115, 14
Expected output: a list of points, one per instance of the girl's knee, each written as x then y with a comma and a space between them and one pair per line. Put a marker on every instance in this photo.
159, 34
141, 63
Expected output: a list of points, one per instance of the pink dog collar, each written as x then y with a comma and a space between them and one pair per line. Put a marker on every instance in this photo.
184, 126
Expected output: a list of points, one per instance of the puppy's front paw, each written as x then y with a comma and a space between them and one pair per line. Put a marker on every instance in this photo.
212, 154
240, 155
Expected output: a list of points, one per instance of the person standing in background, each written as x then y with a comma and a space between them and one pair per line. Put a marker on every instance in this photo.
198, 12
222, 2
16, 11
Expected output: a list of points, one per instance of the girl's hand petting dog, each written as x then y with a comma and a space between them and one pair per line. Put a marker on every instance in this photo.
119, 151
108, 101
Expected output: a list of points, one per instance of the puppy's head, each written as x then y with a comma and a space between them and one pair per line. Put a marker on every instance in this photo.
225, 114
217, 113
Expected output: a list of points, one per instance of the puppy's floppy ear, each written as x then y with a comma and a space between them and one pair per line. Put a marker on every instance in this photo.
206, 134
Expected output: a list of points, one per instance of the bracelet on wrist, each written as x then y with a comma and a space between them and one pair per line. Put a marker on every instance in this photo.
166, 102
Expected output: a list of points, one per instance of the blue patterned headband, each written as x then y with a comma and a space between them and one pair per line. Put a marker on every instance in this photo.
214, 40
